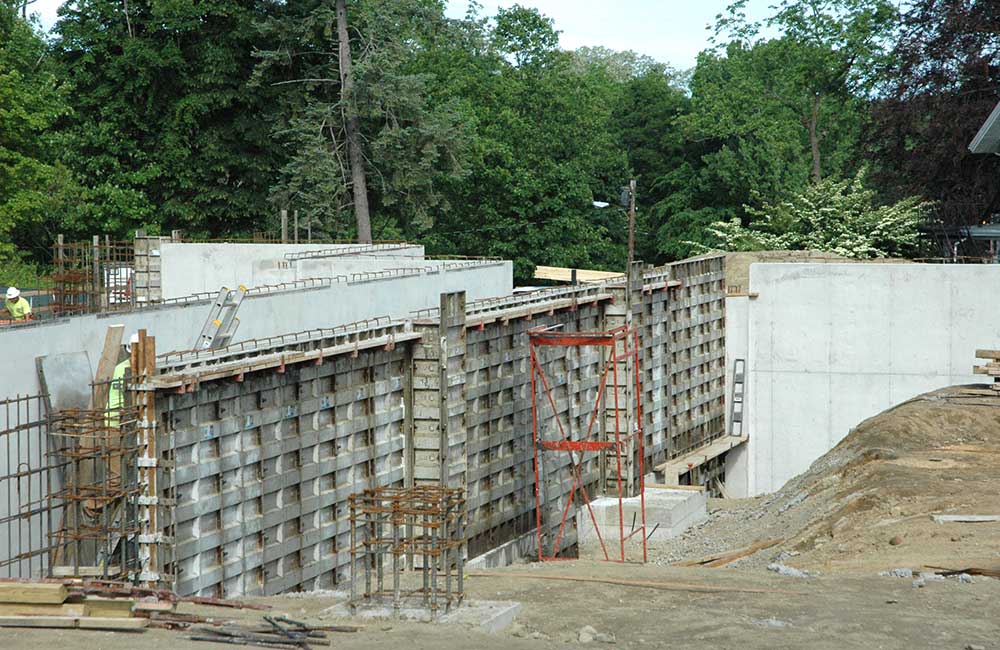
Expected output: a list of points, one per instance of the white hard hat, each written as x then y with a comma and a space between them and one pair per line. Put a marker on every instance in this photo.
12, 293
132, 340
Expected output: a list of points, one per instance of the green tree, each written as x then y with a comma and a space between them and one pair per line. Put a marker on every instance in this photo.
545, 149
839, 217
769, 115
33, 186
413, 140
165, 131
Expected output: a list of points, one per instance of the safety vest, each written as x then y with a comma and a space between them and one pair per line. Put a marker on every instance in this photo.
19, 310
116, 393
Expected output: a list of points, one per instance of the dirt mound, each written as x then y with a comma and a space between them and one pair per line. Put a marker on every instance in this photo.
867, 504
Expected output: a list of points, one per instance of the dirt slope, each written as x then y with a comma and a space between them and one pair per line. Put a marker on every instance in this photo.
865, 505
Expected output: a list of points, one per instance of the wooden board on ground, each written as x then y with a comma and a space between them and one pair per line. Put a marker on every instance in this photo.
43, 609
82, 622
109, 607
32, 592
727, 557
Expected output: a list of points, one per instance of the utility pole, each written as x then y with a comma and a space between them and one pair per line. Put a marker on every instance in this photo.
631, 224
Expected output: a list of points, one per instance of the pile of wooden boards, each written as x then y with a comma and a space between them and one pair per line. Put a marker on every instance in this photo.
100, 605
75, 604
992, 368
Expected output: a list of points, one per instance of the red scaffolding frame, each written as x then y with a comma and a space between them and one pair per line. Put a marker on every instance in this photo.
627, 339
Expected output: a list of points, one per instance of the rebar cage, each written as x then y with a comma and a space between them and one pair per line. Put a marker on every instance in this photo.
421, 526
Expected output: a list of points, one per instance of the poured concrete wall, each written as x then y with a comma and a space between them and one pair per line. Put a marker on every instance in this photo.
830, 345
290, 310
189, 268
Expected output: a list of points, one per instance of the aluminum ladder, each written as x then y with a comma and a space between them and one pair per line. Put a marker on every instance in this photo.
736, 398
222, 322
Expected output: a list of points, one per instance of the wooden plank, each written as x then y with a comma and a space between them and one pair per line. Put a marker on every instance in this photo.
564, 274
988, 354
66, 571
673, 469
82, 622
109, 607
153, 606
97, 623
663, 486
106, 364
32, 592
727, 557
43, 609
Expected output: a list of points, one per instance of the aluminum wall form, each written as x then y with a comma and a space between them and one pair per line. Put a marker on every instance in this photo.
500, 457
697, 356
264, 466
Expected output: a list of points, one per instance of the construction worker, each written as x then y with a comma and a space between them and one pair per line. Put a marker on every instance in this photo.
17, 307
116, 393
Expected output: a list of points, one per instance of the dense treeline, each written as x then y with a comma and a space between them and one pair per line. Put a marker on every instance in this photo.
480, 136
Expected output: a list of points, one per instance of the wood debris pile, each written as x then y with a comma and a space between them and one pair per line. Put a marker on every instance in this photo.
99, 605
991, 368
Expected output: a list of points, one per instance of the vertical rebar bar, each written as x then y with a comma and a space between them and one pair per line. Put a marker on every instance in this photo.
395, 558
354, 557
434, 571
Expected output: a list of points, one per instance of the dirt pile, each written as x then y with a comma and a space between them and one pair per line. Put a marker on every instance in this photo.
866, 505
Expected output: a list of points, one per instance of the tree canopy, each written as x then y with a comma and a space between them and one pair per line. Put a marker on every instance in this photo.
481, 136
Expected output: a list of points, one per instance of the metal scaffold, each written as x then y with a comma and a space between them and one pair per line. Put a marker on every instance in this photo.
618, 403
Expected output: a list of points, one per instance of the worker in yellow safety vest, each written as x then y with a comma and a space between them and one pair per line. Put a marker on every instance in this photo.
17, 307
116, 392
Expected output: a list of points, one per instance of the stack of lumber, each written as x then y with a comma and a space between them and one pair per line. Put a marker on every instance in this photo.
73, 604
992, 368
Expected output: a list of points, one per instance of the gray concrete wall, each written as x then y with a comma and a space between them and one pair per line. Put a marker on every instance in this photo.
188, 268
176, 327
833, 344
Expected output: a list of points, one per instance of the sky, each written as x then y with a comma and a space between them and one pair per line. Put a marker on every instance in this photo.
670, 31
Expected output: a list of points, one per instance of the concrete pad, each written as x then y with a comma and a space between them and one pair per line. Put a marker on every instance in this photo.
669, 512
490, 616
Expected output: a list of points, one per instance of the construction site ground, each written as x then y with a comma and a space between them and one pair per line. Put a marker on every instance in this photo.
832, 612
863, 509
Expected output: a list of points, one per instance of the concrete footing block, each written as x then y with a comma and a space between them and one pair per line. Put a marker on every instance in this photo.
668, 514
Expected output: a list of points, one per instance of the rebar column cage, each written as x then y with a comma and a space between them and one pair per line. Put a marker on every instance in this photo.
97, 527
423, 525
90, 277
622, 345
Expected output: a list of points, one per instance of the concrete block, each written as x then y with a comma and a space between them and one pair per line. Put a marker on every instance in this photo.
670, 512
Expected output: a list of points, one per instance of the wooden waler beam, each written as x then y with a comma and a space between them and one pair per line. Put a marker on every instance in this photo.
563, 274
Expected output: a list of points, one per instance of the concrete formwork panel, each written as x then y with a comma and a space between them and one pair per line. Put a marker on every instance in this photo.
264, 466
696, 395
500, 479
